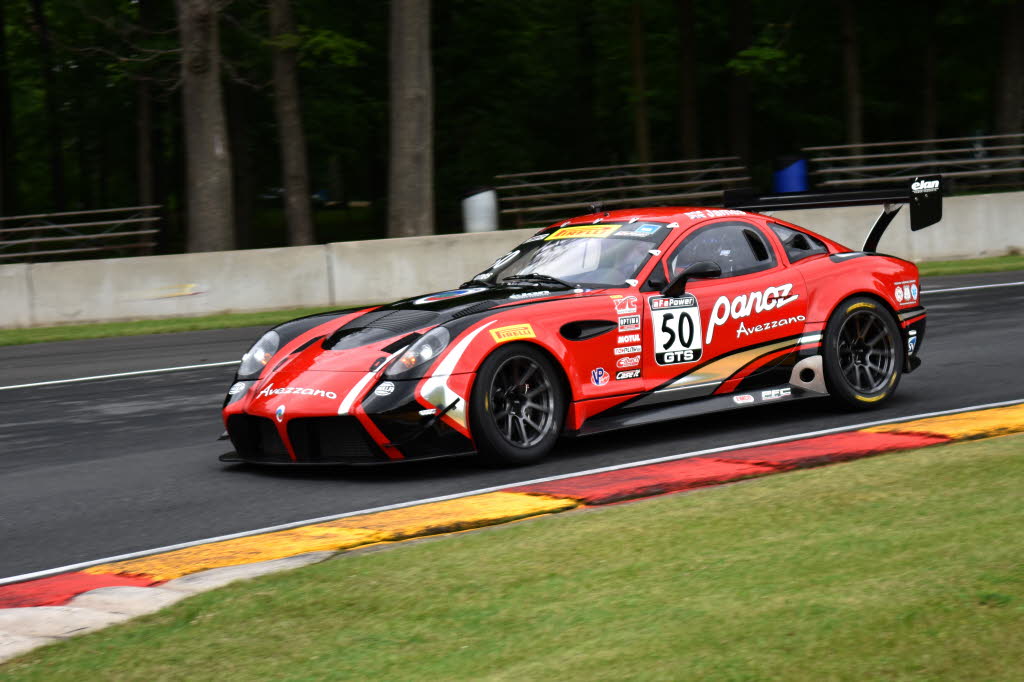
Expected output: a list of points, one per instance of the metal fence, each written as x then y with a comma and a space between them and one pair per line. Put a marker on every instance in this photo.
976, 162
129, 231
544, 196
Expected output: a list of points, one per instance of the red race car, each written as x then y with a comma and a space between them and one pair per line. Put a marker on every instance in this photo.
608, 320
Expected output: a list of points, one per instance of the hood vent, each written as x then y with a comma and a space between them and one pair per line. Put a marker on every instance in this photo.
395, 321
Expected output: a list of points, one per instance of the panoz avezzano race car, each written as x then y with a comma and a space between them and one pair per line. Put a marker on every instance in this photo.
605, 321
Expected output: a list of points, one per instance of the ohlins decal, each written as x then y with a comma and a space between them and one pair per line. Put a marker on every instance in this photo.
746, 304
315, 392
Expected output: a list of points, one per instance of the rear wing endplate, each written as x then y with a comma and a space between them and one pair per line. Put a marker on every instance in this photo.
924, 194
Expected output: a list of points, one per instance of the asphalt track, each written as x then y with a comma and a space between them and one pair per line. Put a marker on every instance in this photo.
102, 468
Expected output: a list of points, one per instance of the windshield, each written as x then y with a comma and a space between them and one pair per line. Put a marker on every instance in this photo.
597, 256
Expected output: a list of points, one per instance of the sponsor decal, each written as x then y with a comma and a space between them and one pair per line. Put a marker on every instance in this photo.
624, 305
629, 323
629, 338
906, 292
513, 332
530, 294
633, 361
630, 374
924, 186
236, 388
911, 344
599, 377
644, 230
675, 323
445, 295
279, 414
712, 213
579, 231
744, 399
744, 305
387, 388
295, 390
775, 394
627, 350
743, 329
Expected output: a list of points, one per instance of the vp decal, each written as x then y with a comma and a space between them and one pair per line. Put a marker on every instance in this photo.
675, 324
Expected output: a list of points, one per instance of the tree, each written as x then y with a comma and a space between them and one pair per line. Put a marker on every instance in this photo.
851, 73
292, 137
1010, 99
207, 150
741, 36
411, 172
41, 27
638, 61
688, 126
8, 184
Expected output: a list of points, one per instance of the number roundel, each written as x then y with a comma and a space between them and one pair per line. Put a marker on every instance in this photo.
676, 329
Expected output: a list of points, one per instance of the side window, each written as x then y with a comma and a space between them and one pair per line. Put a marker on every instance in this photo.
798, 245
738, 248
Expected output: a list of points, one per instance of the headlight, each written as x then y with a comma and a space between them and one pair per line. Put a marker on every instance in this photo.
259, 355
421, 352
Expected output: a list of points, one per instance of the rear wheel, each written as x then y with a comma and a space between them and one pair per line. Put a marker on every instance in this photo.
517, 407
863, 353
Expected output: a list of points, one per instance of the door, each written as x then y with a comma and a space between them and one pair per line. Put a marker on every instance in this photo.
721, 328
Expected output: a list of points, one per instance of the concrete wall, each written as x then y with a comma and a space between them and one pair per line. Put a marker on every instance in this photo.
349, 273
971, 227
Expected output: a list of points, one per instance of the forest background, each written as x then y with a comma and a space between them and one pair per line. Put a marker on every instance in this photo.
269, 122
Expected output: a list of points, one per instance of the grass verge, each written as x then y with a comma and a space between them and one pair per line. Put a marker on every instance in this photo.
973, 266
900, 567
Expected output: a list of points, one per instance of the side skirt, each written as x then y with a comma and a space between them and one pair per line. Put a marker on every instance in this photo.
698, 406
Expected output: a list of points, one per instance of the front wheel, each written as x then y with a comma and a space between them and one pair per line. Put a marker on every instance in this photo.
517, 407
863, 353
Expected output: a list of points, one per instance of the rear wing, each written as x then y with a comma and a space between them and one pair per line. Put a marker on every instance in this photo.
924, 194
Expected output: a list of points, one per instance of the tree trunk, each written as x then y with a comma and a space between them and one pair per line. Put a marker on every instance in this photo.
688, 118
239, 108
411, 172
739, 92
930, 95
1010, 101
851, 71
641, 125
294, 165
54, 132
8, 178
144, 160
208, 186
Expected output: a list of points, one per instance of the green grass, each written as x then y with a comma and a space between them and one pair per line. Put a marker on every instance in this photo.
907, 566
976, 265
10, 337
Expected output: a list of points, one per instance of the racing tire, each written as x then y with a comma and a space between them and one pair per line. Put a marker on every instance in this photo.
517, 407
863, 353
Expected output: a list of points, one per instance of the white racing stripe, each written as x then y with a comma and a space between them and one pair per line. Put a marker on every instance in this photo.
481, 491
972, 287
141, 372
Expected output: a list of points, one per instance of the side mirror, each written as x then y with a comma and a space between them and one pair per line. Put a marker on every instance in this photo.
704, 268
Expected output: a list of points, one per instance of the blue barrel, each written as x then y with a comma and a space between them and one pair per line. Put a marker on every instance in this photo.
791, 176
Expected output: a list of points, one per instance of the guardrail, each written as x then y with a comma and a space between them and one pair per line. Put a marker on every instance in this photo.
125, 231
980, 161
543, 196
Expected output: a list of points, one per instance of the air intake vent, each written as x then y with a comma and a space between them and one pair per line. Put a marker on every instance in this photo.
396, 321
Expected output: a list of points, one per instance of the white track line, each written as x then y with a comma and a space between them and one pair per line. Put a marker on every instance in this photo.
141, 372
481, 491
970, 288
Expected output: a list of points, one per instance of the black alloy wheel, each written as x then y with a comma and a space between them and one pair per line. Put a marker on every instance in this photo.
863, 353
518, 405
